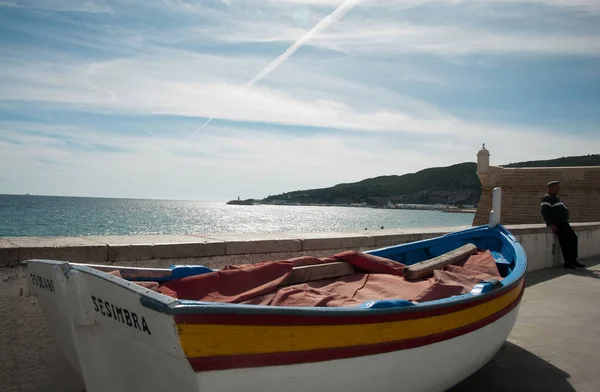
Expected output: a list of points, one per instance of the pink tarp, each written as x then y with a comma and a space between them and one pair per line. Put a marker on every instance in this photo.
375, 278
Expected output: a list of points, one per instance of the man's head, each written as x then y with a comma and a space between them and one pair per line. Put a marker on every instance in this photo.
553, 187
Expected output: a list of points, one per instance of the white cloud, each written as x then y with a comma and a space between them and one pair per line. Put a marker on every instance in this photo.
591, 6
170, 83
381, 130
228, 163
389, 40
87, 6
381, 33
389, 5
381, 36
216, 166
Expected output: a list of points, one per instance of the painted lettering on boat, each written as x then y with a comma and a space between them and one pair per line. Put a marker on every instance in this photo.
42, 282
126, 317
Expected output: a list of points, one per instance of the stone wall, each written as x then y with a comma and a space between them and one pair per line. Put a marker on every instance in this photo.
522, 189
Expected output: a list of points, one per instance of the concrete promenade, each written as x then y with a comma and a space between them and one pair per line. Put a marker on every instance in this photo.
555, 343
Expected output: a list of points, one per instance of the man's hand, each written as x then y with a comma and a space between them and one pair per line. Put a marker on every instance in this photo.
553, 227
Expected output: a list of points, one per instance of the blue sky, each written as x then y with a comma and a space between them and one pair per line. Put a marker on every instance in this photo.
104, 98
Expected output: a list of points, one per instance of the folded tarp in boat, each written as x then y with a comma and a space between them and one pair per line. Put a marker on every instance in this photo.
375, 278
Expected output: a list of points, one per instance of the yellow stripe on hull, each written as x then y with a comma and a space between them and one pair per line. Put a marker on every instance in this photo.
205, 340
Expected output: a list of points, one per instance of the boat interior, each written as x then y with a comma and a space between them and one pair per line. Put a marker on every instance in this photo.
422, 271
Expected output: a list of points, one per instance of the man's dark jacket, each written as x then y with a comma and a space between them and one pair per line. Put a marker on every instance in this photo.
554, 211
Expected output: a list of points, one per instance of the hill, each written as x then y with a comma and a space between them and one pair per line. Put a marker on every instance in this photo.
456, 185
583, 160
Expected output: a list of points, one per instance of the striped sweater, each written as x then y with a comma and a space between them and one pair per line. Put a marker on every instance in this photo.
553, 210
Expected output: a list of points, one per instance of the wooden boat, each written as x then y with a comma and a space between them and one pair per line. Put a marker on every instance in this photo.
122, 333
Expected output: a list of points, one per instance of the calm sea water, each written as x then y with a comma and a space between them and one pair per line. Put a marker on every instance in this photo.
76, 216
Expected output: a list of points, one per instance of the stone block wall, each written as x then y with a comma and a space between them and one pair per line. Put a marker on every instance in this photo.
522, 189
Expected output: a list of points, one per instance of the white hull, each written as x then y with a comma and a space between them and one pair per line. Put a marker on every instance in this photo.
111, 353
143, 352
430, 368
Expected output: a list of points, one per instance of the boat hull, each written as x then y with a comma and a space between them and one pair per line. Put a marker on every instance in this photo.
430, 368
117, 344
121, 336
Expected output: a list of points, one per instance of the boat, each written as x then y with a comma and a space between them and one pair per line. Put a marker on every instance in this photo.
435, 312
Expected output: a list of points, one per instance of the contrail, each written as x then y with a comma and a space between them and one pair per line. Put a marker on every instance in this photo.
330, 19
151, 133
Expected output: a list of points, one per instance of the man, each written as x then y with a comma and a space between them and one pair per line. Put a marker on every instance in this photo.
556, 216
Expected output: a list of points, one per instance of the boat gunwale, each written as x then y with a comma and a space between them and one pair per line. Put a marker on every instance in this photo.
337, 316
187, 308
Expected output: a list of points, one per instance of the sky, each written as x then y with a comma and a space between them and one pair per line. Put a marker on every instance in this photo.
183, 99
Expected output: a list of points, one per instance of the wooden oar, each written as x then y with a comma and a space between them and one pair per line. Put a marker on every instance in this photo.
424, 269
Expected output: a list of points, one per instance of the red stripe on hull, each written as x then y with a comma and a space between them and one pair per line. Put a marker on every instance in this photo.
297, 319
290, 358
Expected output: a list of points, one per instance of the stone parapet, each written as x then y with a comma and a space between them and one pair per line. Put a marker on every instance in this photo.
101, 249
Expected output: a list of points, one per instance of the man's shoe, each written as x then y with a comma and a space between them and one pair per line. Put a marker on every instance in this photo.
578, 264
570, 266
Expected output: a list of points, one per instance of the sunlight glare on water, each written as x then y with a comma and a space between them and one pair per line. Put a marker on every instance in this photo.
70, 216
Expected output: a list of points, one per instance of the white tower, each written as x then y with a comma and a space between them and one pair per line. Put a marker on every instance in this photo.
483, 161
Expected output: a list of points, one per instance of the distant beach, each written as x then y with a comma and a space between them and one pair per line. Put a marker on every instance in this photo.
429, 207
30, 215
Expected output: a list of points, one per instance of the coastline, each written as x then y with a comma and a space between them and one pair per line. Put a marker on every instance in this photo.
421, 207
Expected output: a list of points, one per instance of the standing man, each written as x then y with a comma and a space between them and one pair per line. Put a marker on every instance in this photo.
556, 216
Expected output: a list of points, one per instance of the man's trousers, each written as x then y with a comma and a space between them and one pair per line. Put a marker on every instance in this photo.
567, 238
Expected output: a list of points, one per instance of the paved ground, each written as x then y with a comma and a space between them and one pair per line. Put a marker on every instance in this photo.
555, 345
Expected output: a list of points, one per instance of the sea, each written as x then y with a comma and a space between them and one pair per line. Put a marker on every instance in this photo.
30, 215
